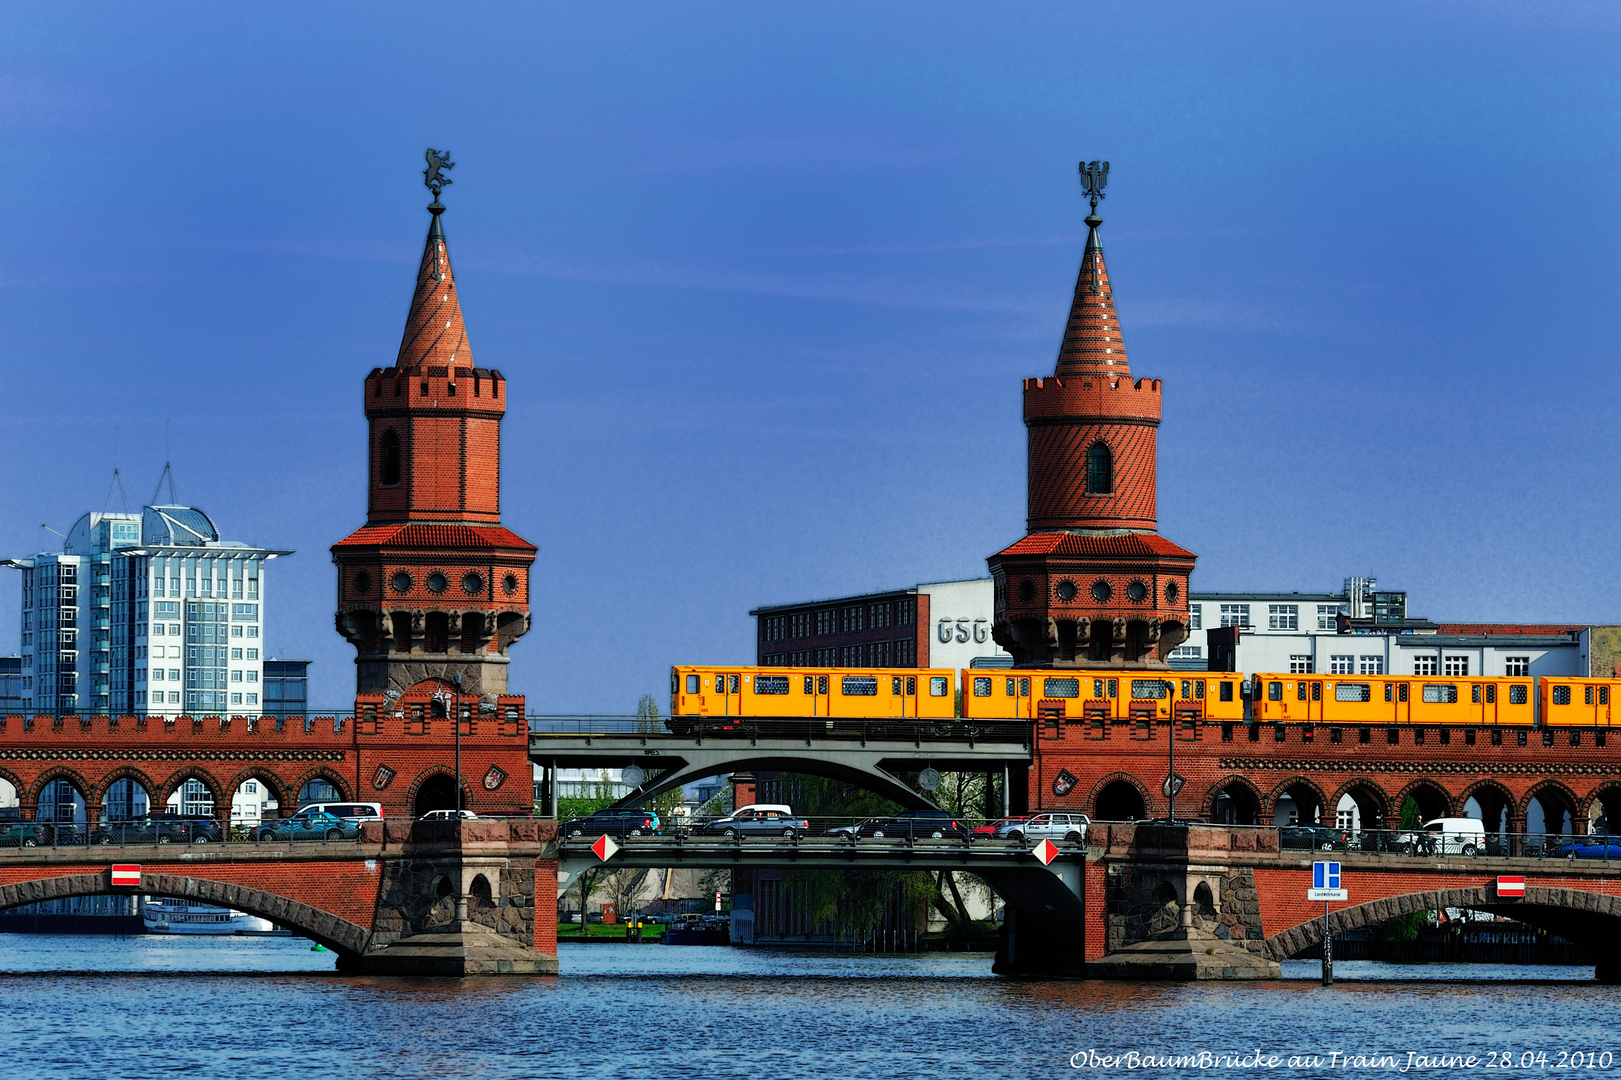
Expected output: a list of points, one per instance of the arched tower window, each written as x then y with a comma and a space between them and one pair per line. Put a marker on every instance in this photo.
1099, 470
390, 464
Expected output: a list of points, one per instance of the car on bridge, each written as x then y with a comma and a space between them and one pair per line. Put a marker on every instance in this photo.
990, 827
160, 828
1313, 838
756, 821
1591, 847
912, 825
314, 825
21, 834
620, 821
1445, 836
1050, 826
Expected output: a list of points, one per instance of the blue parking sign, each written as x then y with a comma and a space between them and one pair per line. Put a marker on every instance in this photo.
1325, 875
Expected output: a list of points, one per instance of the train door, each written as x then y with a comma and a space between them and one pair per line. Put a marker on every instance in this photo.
903, 695
1016, 697
815, 687
728, 694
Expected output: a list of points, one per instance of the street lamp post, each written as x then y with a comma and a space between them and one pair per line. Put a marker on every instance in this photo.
458, 722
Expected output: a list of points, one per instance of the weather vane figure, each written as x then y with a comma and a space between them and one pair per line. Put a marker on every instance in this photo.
434, 178
1095, 175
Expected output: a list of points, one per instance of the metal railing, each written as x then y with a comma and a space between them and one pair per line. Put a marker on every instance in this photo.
197, 834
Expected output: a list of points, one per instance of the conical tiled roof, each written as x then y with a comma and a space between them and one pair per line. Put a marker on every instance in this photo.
434, 333
1092, 342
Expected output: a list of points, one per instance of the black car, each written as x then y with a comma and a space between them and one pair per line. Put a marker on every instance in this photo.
621, 822
14, 833
159, 828
1313, 838
913, 825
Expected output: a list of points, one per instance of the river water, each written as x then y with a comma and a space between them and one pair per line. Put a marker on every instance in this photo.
269, 1007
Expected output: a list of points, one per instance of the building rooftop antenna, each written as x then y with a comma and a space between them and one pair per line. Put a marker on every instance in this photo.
118, 481
167, 473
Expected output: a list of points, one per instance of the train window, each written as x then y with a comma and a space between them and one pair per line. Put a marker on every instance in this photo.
1440, 693
1317, 691
1300, 692
1491, 693
1401, 692
1518, 695
939, 686
1604, 695
1024, 687
1226, 691
1390, 691
771, 684
1187, 689
859, 686
1354, 691
982, 686
1011, 687
692, 684
1114, 688
731, 684
810, 684
1274, 691
1097, 688
895, 685
1589, 695
1063, 688
1198, 689
1561, 695
821, 684
1154, 689
1474, 693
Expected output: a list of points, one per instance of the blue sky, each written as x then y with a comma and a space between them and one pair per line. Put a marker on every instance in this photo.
764, 280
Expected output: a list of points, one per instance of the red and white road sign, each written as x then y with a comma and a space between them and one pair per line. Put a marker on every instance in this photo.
605, 847
1511, 886
1046, 851
128, 874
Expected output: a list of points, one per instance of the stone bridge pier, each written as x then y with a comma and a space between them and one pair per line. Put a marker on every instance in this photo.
464, 898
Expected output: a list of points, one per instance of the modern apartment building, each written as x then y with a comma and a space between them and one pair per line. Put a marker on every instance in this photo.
144, 613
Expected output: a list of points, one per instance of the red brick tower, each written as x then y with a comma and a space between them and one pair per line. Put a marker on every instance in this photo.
433, 586
1093, 584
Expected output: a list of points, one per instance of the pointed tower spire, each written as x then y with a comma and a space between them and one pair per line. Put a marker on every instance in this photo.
1092, 342
434, 332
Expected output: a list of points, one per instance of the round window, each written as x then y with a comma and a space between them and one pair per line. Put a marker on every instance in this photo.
509, 584
1172, 592
1136, 590
1066, 591
437, 582
362, 583
1027, 590
1101, 590
472, 584
402, 582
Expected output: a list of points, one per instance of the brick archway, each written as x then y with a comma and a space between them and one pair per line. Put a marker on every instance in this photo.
15, 781
1269, 806
1114, 778
1449, 804
338, 934
1523, 807
1572, 913
320, 772
123, 772
177, 779
1378, 799
1227, 783
49, 776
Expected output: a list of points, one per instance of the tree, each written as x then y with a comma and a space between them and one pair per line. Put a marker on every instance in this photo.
647, 715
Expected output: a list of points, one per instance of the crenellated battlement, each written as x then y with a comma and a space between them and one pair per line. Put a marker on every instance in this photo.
1093, 397
431, 388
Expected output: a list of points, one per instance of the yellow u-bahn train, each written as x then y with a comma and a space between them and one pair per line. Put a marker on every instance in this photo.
1009, 694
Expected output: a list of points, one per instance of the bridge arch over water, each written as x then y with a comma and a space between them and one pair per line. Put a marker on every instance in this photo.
1591, 919
336, 933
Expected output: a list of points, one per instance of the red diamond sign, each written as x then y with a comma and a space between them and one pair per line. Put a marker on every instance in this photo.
1046, 851
605, 847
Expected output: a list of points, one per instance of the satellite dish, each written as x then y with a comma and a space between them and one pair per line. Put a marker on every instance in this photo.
928, 779
633, 776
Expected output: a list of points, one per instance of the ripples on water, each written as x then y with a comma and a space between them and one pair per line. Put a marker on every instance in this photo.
145, 1006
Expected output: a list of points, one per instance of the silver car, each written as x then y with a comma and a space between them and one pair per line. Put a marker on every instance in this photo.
1051, 826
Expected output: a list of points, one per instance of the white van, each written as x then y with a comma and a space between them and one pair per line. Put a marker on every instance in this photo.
1445, 836
348, 811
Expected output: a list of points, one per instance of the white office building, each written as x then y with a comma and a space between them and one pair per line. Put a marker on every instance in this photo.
144, 613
